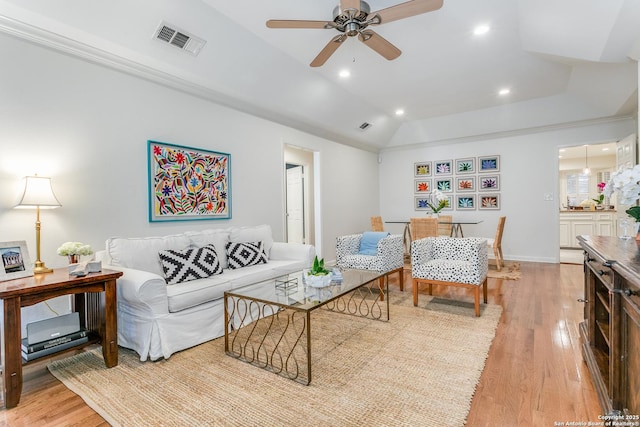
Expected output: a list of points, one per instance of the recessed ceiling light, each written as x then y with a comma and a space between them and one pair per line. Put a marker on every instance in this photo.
605, 149
504, 92
344, 74
481, 30
562, 150
399, 112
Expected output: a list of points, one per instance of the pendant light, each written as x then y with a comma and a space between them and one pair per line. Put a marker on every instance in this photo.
586, 170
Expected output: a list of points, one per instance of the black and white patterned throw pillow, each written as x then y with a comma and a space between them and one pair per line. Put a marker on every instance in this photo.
245, 254
189, 264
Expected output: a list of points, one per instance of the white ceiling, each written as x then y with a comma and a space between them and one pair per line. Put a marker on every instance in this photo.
565, 61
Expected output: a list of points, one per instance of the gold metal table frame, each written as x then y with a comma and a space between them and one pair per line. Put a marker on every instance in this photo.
270, 327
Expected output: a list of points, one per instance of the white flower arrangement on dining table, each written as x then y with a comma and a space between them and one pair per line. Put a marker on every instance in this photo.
74, 248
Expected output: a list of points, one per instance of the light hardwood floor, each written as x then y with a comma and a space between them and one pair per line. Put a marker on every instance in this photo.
534, 375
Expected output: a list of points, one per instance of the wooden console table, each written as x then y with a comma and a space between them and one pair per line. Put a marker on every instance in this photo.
611, 330
96, 314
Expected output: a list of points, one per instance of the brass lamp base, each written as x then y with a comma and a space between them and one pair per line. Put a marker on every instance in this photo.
40, 268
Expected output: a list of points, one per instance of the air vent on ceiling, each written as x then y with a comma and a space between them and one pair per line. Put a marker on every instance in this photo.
171, 34
365, 126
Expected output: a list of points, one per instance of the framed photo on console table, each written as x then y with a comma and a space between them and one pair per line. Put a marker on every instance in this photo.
15, 260
188, 183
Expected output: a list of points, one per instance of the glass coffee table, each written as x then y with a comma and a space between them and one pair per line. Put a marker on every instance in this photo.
269, 326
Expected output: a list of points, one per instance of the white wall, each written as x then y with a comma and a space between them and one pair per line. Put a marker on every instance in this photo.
528, 170
86, 126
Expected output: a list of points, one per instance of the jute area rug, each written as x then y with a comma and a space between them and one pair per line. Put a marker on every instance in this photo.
419, 369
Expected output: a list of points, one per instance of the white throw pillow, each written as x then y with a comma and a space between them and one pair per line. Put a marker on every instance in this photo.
141, 253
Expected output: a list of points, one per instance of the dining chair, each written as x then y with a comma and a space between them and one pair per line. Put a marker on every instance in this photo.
445, 225
376, 223
423, 227
496, 243
450, 261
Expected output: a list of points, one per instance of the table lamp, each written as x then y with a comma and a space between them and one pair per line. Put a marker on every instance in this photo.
39, 194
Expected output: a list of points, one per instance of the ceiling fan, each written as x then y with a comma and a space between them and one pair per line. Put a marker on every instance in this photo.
352, 17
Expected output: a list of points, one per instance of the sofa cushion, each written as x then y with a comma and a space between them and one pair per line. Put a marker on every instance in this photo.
260, 233
189, 264
195, 293
217, 238
141, 253
245, 254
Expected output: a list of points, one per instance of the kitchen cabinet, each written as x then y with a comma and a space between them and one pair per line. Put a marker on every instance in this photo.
587, 223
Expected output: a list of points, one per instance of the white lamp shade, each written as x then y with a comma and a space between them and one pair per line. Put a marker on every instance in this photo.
38, 192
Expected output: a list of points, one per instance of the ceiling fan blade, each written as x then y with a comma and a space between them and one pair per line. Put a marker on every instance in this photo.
349, 4
283, 23
328, 50
406, 9
379, 44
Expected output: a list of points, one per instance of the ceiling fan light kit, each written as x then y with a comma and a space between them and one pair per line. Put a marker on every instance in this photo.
352, 17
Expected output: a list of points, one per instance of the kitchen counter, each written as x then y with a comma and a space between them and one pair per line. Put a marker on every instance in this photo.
586, 210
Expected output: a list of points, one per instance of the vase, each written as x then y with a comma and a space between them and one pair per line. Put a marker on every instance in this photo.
74, 259
433, 214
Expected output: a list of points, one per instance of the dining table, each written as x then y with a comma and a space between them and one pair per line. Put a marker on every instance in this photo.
456, 228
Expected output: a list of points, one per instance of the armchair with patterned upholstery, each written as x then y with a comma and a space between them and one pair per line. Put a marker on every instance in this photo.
450, 261
388, 256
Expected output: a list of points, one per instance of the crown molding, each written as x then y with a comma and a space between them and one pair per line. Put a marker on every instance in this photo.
512, 133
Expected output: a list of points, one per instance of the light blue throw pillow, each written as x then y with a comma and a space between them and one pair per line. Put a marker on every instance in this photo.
369, 242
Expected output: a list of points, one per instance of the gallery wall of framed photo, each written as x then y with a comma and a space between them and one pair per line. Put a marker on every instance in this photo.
469, 183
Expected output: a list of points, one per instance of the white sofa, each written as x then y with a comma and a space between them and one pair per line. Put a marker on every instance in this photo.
156, 319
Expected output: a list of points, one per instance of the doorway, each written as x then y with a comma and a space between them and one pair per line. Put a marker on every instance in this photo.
299, 195
582, 169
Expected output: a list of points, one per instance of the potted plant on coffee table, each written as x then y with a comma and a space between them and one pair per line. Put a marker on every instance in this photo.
317, 276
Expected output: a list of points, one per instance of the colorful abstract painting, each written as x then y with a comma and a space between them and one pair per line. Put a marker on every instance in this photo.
188, 183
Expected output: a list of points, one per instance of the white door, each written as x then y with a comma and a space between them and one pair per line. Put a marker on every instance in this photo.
295, 204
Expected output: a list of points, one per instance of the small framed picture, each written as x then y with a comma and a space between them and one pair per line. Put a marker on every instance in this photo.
489, 183
443, 167
467, 165
488, 164
421, 169
489, 201
15, 260
421, 203
466, 184
422, 186
466, 202
445, 184
449, 206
